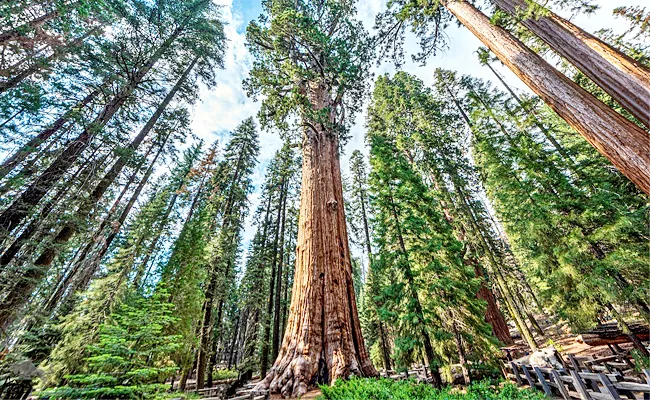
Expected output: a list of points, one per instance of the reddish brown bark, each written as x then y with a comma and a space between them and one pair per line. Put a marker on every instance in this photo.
322, 341
623, 78
626, 145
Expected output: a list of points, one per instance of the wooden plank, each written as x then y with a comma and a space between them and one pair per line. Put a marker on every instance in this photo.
609, 386
574, 362
545, 386
580, 386
515, 370
560, 385
529, 378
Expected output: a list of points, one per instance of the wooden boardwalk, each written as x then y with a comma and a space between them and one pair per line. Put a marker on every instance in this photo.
585, 378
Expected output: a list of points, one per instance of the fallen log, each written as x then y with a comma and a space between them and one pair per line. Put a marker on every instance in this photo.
611, 334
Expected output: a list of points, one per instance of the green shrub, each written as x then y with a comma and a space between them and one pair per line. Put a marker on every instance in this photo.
222, 374
388, 389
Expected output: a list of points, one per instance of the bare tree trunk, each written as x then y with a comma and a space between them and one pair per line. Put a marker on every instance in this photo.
462, 359
25, 150
626, 145
322, 341
620, 76
264, 358
278, 289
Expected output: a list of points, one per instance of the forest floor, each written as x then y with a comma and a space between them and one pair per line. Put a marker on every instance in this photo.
560, 336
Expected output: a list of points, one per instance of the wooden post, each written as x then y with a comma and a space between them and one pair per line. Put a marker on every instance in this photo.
580, 386
609, 387
545, 386
574, 362
516, 372
560, 385
529, 378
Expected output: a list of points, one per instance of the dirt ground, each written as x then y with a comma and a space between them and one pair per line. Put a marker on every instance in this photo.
564, 341
312, 394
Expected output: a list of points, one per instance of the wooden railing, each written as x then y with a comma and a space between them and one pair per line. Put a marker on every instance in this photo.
585, 379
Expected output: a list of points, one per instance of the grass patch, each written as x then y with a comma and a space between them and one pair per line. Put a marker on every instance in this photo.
388, 389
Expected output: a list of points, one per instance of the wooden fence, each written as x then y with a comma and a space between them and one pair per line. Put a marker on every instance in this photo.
607, 378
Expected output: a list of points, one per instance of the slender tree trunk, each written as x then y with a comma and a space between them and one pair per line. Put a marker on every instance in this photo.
366, 231
278, 289
80, 260
626, 145
36, 223
385, 353
462, 359
25, 150
38, 65
626, 80
264, 358
322, 341
432, 360
493, 315
226, 241
47, 256
206, 330
18, 32
92, 264
547, 134
232, 342
214, 350
71, 228
21, 207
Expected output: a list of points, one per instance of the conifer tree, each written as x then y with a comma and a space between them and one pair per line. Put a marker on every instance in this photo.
240, 157
311, 62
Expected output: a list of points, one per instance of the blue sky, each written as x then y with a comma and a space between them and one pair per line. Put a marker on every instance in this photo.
222, 108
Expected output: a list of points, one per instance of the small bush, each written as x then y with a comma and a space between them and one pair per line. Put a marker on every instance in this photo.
222, 374
387, 389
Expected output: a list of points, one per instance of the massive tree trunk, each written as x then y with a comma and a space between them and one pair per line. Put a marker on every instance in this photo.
322, 341
626, 80
626, 145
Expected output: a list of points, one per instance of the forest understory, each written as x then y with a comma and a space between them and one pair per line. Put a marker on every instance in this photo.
363, 216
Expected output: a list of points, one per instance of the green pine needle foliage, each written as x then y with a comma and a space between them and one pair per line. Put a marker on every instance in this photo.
130, 360
388, 389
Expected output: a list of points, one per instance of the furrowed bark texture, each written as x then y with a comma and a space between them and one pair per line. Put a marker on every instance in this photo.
322, 340
623, 78
626, 145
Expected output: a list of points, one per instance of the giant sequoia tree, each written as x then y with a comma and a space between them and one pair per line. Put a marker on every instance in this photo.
311, 58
